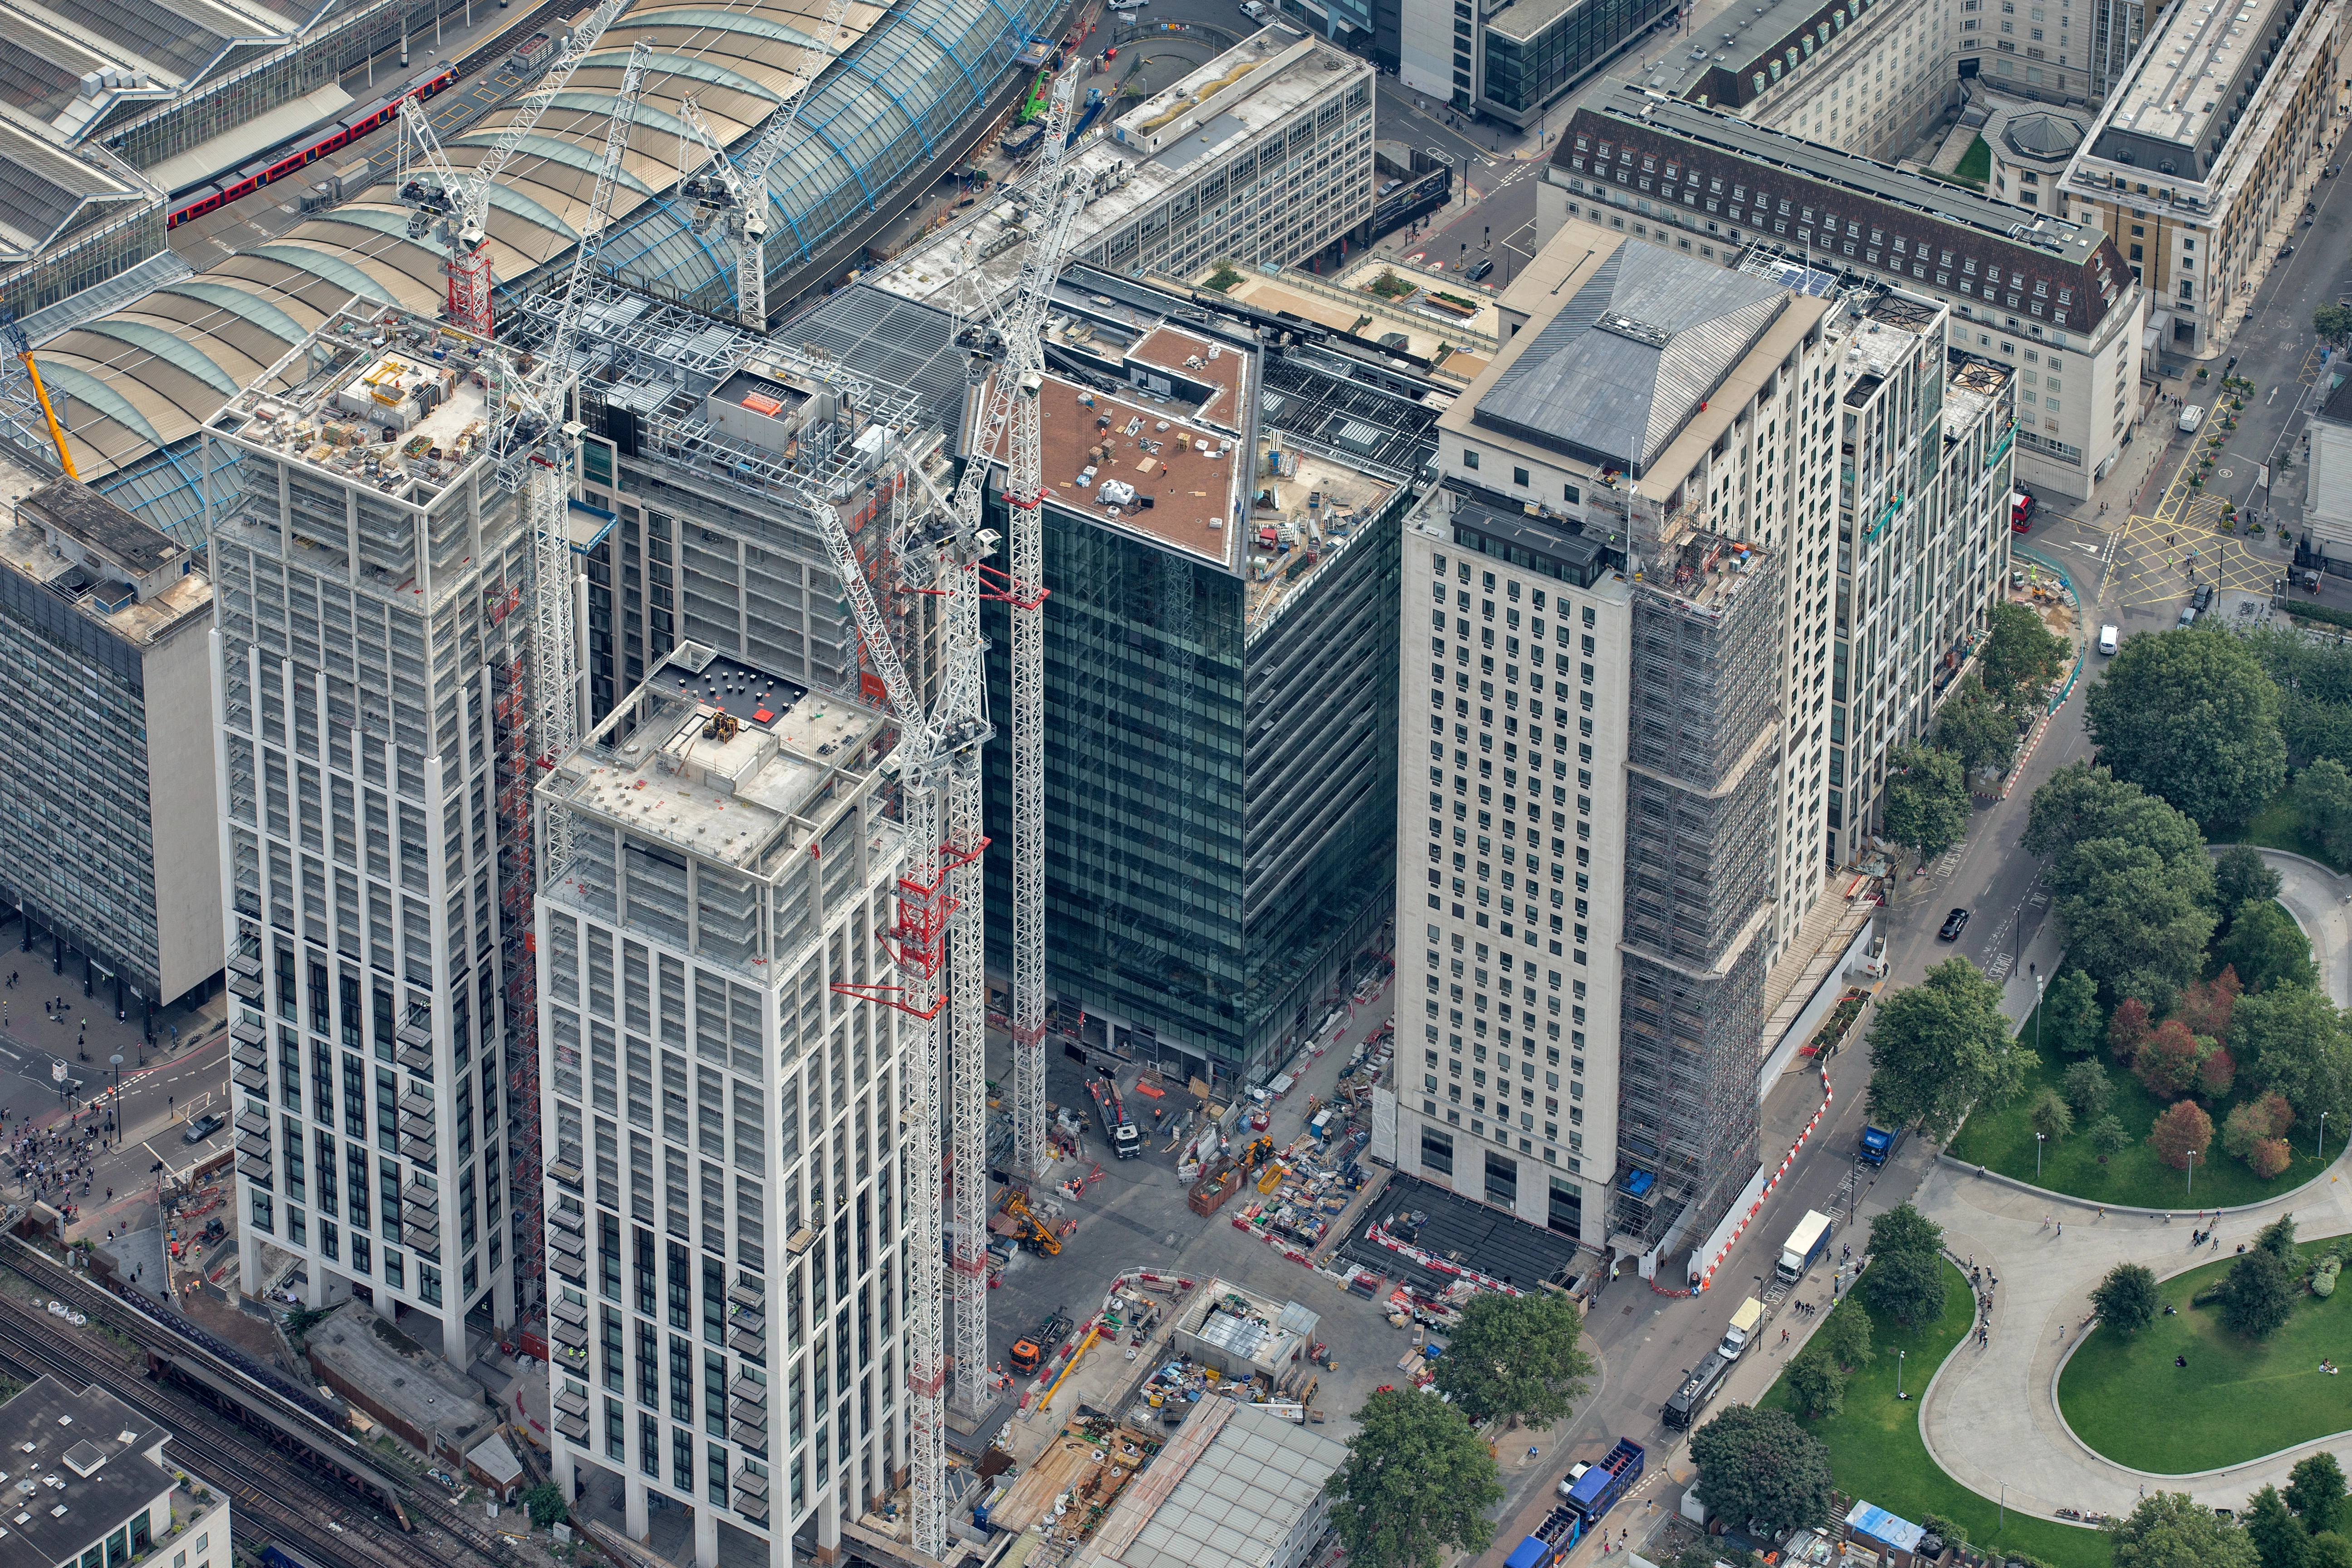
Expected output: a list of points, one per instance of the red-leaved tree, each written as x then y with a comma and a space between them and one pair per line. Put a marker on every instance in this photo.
2183, 1130
2205, 1007
2128, 1030
2270, 1157
2166, 1064
2216, 1074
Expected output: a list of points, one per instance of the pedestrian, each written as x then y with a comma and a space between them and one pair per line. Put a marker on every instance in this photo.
2062, 1227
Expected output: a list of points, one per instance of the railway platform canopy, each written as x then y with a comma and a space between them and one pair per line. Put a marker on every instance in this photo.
140, 376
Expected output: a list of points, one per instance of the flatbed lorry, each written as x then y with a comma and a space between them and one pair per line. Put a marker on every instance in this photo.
1804, 1247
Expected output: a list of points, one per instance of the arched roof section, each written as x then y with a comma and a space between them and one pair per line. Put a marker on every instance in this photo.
243, 304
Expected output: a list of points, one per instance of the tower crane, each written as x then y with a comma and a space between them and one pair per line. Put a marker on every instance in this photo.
20, 348
458, 207
1009, 330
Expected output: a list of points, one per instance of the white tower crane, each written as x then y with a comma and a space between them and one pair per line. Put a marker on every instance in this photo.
459, 206
751, 239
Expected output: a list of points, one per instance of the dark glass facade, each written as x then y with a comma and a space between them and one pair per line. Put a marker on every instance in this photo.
1220, 803
1523, 73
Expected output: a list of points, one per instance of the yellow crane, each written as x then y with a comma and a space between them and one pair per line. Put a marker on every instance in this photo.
21, 347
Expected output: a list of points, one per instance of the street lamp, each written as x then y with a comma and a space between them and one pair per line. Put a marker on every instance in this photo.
2321, 1150
1898, 1373
2192, 1172
2039, 981
115, 1062
2037, 1156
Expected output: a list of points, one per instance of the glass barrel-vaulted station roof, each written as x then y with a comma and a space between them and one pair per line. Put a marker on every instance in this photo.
144, 376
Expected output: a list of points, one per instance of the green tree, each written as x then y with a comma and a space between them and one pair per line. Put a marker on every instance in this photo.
1909, 1287
2292, 1039
1927, 802
2267, 948
2108, 1138
2330, 1549
546, 1504
2021, 656
2277, 1239
1941, 1046
1760, 1464
2072, 1023
1817, 1380
2168, 1530
2131, 923
1846, 1334
2276, 1534
1904, 1228
2242, 876
1515, 1357
2050, 1115
2192, 716
1416, 1484
2088, 1089
2324, 793
2127, 1298
2333, 322
2082, 802
2315, 1490
1976, 729
2256, 1295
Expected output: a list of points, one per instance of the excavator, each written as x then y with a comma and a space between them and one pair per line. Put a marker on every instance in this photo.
1257, 1153
13, 337
1027, 1229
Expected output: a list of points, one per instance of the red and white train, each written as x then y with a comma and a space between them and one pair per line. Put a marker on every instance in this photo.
279, 162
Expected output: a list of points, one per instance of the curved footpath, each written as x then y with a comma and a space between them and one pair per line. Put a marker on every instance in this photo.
1989, 1416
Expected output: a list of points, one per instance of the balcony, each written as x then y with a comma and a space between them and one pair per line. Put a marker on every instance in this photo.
417, 1126
743, 1340
571, 1401
246, 987
563, 1312
416, 1103
253, 1055
565, 1244
569, 1224
253, 1122
257, 1144
416, 1059
749, 1295
246, 1032
253, 1170
425, 1243
568, 1267
750, 1495
253, 1081
245, 966
571, 1335
565, 1172
417, 1151
744, 1435
575, 1427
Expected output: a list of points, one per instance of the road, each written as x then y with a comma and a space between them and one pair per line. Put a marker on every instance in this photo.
158, 1102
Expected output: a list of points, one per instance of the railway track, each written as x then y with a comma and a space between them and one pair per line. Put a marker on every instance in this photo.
153, 1334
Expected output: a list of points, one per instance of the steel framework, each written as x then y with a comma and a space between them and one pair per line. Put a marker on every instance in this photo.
457, 208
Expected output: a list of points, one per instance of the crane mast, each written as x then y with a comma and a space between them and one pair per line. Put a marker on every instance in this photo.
751, 249
458, 206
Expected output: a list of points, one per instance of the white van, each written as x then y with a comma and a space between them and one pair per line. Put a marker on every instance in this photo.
2107, 640
2191, 416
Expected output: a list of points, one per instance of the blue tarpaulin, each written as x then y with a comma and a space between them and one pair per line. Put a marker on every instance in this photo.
1869, 1518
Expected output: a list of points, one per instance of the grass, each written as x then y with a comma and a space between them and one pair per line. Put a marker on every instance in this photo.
2279, 825
2002, 1141
2238, 1399
1975, 166
1876, 1452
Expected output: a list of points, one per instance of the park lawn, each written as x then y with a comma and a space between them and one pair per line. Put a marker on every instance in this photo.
1877, 1455
1976, 165
2238, 1399
2001, 1140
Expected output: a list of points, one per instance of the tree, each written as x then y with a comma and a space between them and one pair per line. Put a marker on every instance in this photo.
2193, 717
2242, 876
2267, 948
1760, 1464
2088, 1089
2021, 656
2071, 1021
1904, 1228
1940, 1047
2181, 1132
2323, 792
2315, 1490
2270, 1158
1415, 1485
1909, 1287
2206, 1008
2256, 1295
2333, 322
2276, 1534
2216, 1074
2081, 804
2292, 1039
2330, 1549
2168, 1529
2168, 1063
2127, 1298
1515, 1357
1846, 1334
2128, 1030
2251, 1121
2277, 1239
1927, 802
2133, 922
1976, 730
546, 1504
1816, 1380
2108, 1138
2050, 1115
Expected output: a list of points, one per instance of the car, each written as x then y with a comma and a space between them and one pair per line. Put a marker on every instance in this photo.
2188, 617
1129, 5
2285, 251
1575, 1474
2108, 636
1954, 923
1479, 270
204, 1127
2203, 597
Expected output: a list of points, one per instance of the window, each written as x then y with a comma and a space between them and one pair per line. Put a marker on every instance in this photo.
1469, 458
1519, 477
1436, 1152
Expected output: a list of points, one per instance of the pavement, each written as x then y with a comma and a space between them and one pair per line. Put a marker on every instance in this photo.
2321, 903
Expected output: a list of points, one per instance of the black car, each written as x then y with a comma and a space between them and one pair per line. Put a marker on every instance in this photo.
204, 1127
1479, 270
1954, 923
2203, 597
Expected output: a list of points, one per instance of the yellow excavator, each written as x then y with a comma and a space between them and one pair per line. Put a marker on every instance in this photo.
1027, 1229
21, 347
